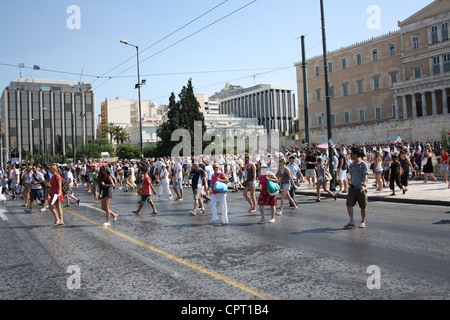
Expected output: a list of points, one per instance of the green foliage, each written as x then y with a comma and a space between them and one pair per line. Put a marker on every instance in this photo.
445, 138
127, 151
181, 115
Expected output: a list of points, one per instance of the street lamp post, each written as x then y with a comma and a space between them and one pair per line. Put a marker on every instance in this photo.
138, 86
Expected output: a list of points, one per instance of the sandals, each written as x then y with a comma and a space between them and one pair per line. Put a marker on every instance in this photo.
348, 226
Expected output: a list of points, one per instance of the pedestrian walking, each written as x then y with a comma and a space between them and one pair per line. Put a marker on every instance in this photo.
36, 188
217, 196
106, 187
322, 179
386, 164
417, 156
378, 170
250, 184
428, 167
285, 179
56, 196
178, 181
396, 173
296, 175
198, 180
406, 165
146, 193
70, 183
164, 182
358, 187
264, 198
342, 171
444, 163
311, 162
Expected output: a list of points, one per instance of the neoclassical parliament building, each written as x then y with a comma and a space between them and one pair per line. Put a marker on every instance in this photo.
402, 75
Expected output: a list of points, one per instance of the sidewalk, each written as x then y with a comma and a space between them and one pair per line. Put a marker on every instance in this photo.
434, 193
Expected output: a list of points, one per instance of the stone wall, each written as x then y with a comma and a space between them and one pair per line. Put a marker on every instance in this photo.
418, 129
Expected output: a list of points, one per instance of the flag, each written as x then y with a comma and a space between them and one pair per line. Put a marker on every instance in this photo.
35, 67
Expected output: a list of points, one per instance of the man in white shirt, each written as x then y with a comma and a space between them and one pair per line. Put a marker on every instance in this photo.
70, 183
209, 172
178, 181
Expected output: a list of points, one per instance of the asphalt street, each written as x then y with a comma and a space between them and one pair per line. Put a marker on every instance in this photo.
402, 254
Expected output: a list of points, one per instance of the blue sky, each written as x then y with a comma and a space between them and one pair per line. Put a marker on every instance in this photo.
256, 44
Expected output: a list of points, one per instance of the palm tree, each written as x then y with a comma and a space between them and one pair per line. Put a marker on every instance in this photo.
110, 131
122, 136
116, 130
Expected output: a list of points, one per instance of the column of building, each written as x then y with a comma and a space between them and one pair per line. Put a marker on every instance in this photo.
423, 100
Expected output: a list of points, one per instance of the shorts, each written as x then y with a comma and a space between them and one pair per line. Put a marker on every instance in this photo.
209, 184
444, 167
36, 194
379, 172
145, 198
178, 184
310, 173
197, 193
342, 174
286, 186
355, 195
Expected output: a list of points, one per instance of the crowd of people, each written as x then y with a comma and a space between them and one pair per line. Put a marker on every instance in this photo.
212, 177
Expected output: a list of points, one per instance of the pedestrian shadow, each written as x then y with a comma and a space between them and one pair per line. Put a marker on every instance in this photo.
442, 222
321, 230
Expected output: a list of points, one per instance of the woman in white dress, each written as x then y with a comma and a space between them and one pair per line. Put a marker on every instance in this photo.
164, 182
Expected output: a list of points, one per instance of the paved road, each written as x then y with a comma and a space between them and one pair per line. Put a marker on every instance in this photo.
175, 256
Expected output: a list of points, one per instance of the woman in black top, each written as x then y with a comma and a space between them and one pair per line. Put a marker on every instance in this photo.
106, 186
396, 173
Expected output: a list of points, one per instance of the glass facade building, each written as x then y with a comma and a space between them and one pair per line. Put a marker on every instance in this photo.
45, 116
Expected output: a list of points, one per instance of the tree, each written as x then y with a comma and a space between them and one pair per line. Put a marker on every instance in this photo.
122, 136
127, 151
190, 111
165, 130
110, 131
181, 115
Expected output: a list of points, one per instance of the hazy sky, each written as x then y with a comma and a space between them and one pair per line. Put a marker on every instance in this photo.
244, 42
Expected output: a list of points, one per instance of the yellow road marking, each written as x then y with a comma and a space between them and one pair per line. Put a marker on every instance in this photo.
182, 261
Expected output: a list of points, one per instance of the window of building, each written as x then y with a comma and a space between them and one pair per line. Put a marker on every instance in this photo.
362, 115
376, 83
318, 94
344, 63
317, 69
377, 113
436, 65
434, 34
330, 66
392, 49
358, 59
415, 42
347, 117
446, 62
417, 73
360, 86
374, 55
393, 110
331, 92
333, 119
445, 31
393, 78
320, 121
345, 89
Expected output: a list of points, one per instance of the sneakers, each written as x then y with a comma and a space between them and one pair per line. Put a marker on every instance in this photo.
43, 209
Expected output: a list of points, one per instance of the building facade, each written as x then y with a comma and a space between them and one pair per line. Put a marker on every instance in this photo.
45, 116
123, 112
401, 75
274, 107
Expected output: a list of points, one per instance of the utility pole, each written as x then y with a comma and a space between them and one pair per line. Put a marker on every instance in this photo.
305, 95
327, 93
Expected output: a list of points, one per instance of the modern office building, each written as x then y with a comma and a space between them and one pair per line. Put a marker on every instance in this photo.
274, 107
401, 75
45, 116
